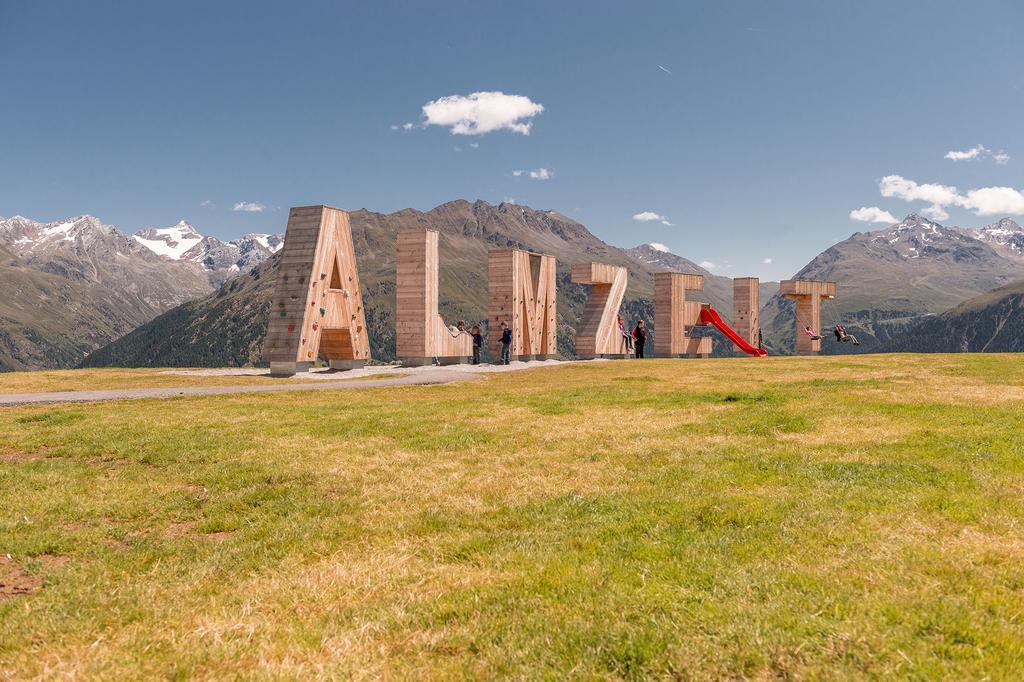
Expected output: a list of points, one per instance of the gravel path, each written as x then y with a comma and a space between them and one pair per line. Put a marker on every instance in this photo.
437, 376
374, 376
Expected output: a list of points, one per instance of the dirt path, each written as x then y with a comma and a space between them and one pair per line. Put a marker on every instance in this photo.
436, 376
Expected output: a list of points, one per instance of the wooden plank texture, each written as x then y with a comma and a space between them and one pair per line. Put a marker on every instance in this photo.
598, 333
746, 306
317, 308
521, 293
421, 333
808, 295
674, 315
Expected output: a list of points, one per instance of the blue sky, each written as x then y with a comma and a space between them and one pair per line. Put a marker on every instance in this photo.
754, 128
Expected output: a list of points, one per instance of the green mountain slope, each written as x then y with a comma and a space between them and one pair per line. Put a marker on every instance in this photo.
990, 323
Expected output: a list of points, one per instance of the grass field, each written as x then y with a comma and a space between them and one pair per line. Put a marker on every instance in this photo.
792, 517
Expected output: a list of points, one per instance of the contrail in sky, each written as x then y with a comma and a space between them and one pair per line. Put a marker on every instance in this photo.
664, 69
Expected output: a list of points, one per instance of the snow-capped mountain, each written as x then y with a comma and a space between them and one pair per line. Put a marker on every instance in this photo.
1005, 236
221, 260
82, 235
72, 285
917, 237
170, 242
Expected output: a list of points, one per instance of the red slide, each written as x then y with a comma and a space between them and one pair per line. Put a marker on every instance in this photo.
709, 315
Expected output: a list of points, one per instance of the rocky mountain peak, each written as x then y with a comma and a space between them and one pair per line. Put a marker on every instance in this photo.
221, 260
1003, 226
660, 258
81, 235
169, 242
916, 236
1006, 236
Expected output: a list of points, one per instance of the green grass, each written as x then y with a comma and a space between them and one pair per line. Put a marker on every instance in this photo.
792, 517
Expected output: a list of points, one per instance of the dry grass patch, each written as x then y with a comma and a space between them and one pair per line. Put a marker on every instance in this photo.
15, 581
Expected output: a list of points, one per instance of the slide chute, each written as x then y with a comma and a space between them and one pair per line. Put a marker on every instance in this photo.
709, 315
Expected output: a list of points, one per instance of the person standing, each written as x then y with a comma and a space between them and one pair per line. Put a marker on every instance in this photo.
478, 343
627, 340
639, 338
506, 344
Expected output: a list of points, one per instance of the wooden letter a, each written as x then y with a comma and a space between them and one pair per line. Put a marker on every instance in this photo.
317, 309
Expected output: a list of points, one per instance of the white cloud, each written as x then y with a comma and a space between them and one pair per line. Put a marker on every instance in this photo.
984, 201
650, 216
768, 261
457, 148
657, 246
474, 145
871, 214
206, 203
978, 152
935, 212
994, 201
404, 126
508, 200
707, 265
908, 190
971, 153
249, 207
482, 112
537, 174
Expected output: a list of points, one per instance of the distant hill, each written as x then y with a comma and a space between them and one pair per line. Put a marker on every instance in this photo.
890, 279
72, 286
226, 328
990, 323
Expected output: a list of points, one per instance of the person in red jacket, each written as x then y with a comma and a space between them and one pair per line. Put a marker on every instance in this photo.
639, 338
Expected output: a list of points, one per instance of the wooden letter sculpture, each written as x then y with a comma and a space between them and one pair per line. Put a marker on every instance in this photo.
808, 295
599, 334
421, 333
746, 307
522, 294
674, 316
317, 308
